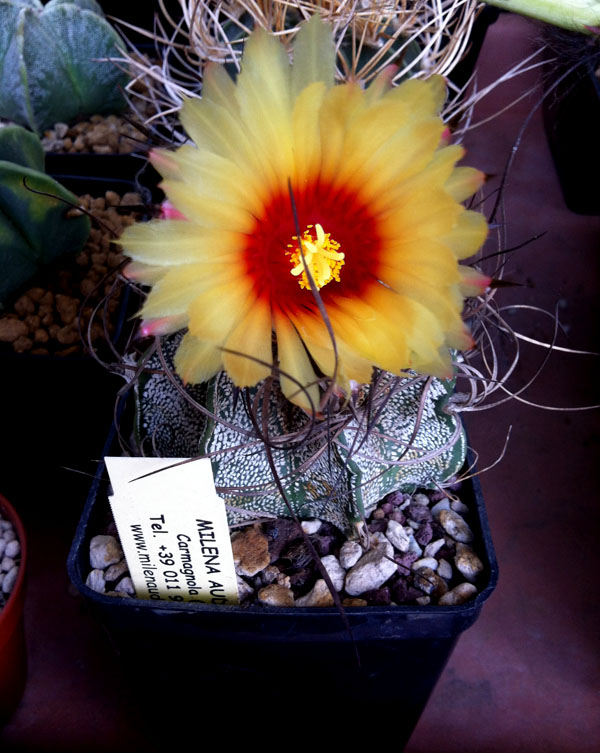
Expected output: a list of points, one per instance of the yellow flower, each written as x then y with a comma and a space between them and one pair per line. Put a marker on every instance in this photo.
381, 228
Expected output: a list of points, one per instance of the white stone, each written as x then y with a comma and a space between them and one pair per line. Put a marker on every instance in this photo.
2, 547
371, 571
459, 507
413, 546
95, 581
104, 551
9, 534
443, 504
9, 580
114, 572
463, 592
455, 526
467, 562
430, 562
421, 499
13, 549
310, 526
320, 596
335, 571
423, 600
350, 553
7, 564
434, 547
444, 569
397, 536
125, 586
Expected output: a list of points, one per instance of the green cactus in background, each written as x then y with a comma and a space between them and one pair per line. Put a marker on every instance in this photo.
337, 481
34, 229
49, 65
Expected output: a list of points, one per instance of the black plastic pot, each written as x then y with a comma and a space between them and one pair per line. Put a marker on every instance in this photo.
299, 659
56, 410
572, 120
73, 169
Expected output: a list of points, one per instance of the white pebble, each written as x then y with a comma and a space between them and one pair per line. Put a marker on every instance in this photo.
433, 547
443, 504
125, 586
9, 534
7, 564
456, 526
350, 553
463, 592
430, 562
13, 549
371, 570
5, 525
114, 572
444, 569
10, 579
421, 499
310, 526
104, 551
335, 571
459, 507
397, 536
2, 547
413, 546
423, 600
95, 581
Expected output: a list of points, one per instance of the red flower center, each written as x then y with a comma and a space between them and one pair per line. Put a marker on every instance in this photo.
342, 215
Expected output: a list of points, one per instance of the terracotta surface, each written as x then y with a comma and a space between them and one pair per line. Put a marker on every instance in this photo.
525, 677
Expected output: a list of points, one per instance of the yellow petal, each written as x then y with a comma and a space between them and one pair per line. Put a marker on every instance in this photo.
171, 242
215, 313
424, 98
264, 97
181, 285
464, 182
211, 212
473, 281
307, 145
314, 55
468, 235
298, 379
196, 361
252, 337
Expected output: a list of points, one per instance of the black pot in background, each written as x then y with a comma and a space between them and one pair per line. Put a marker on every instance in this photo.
56, 411
572, 120
464, 70
75, 169
232, 664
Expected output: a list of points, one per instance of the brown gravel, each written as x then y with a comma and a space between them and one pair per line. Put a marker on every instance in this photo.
44, 319
101, 134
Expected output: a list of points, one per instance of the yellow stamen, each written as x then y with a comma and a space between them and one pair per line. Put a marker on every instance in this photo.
321, 256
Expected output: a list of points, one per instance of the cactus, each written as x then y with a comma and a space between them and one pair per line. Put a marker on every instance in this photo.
49, 62
33, 228
340, 483
21, 147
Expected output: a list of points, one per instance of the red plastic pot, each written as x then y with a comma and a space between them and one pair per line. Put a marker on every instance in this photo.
13, 656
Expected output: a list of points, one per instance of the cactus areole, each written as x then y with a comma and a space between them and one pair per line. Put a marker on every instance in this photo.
53, 65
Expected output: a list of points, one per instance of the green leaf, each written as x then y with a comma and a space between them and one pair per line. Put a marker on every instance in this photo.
33, 228
20, 146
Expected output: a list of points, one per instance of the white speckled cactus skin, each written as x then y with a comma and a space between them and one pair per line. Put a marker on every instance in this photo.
340, 480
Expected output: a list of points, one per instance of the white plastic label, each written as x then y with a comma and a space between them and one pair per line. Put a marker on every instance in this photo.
173, 529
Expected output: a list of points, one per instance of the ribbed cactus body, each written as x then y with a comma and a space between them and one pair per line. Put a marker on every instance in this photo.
49, 62
34, 228
336, 476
